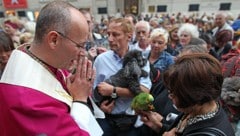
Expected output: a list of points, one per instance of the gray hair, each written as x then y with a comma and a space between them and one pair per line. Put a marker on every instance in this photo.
198, 42
143, 23
154, 19
221, 14
190, 29
194, 49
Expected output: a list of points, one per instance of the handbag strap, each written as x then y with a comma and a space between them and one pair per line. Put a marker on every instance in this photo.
209, 131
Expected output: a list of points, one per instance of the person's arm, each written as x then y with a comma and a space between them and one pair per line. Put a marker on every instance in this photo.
125, 92
83, 116
152, 120
172, 132
106, 89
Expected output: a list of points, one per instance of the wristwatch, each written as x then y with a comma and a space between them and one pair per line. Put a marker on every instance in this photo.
114, 93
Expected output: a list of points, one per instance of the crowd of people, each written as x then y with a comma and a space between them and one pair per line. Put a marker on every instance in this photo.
53, 74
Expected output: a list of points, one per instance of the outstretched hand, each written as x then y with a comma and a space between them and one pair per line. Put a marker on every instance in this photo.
92, 53
151, 119
172, 132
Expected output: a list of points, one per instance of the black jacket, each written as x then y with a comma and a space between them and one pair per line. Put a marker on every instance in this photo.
219, 121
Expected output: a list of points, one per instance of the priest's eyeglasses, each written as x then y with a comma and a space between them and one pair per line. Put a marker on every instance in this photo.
78, 45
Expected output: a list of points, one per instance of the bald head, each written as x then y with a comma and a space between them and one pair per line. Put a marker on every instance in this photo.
78, 24
53, 16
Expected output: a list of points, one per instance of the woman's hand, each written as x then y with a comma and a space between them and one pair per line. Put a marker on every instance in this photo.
80, 84
92, 53
172, 132
152, 119
101, 50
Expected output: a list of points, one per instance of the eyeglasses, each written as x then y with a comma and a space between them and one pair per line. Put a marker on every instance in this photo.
79, 45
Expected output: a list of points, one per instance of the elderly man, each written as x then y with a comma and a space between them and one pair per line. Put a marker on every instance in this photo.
37, 96
221, 24
223, 34
142, 30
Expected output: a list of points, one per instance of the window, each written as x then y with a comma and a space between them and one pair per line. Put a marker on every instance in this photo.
21, 13
102, 10
31, 15
161, 8
151, 9
193, 7
1, 14
225, 6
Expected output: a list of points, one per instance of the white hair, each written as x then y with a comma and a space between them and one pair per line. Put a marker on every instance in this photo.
221, 14
190, 29
143, 23
154, 19
159, 32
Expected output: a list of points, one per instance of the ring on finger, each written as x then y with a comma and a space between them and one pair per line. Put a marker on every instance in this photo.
89, 79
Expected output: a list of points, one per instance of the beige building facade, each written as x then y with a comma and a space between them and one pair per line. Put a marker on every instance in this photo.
104, 8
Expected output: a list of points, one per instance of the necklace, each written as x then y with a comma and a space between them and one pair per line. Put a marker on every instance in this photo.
195, 119
46, 66
51, 70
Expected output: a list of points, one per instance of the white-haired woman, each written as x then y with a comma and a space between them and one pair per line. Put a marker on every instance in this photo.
158, 57
186, 32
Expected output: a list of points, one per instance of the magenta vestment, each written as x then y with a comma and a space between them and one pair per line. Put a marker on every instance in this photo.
33, 102
27, 112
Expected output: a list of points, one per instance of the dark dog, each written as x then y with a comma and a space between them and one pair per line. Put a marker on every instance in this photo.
231, 91
128, 76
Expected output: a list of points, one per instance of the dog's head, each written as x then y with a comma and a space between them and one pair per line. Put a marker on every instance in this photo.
135, 55
231, 91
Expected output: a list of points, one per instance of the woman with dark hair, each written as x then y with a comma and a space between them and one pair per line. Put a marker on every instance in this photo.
6, 47
194, 83
222, 41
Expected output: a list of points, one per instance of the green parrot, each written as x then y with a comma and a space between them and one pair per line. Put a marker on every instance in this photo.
143, 102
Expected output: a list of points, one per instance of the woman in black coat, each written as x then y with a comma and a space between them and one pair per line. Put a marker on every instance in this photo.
194, 85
